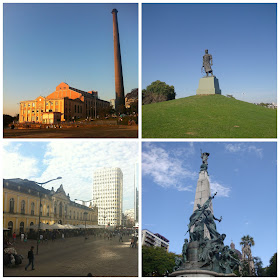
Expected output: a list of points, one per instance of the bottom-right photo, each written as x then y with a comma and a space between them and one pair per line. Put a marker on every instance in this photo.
209, 209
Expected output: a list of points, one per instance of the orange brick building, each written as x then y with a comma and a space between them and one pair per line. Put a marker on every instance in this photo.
70, 102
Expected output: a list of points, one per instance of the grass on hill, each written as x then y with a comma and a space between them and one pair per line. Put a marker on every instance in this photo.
210, 116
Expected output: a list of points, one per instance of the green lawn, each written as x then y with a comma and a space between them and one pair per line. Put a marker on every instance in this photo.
211, 116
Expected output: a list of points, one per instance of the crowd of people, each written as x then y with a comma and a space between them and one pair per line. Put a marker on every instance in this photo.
44, 236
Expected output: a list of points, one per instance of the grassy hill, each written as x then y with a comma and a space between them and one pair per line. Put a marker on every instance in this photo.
211, 116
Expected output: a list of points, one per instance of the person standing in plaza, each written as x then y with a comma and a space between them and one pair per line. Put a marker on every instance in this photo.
30, 258
14, 237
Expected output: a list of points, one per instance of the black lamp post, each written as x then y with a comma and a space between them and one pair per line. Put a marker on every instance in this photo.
85, 214
40, 205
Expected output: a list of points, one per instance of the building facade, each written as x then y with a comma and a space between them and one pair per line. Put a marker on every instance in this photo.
154, 240
21, 206
70, 102
108, 195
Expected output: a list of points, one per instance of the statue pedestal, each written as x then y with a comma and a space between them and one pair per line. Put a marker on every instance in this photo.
199, 273
208, 85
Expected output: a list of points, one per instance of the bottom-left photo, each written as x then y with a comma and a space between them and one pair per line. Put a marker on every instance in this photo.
70, 208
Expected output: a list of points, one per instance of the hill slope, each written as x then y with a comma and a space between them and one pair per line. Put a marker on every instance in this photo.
211, 116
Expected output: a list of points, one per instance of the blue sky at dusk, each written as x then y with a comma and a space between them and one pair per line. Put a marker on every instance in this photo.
240, 37
243, 174
46, 44
74, 161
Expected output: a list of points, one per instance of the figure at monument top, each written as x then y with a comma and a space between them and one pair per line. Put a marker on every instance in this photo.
207, 63
204, 157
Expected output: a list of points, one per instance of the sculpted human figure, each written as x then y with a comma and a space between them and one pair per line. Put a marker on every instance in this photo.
197, 219
204, 157
207, 63
184, 250
209, 220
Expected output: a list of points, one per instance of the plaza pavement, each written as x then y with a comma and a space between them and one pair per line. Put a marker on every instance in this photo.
77, 257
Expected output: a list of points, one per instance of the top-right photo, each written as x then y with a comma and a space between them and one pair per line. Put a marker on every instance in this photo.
209, 71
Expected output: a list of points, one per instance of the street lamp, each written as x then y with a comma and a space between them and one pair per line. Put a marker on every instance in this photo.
40, 195
85, 214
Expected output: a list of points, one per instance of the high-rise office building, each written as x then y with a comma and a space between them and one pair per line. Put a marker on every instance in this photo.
108, 195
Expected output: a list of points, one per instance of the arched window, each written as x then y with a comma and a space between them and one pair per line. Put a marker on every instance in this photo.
31, 224
60, 209
22, 207
21, 227
48, 210
70, 213
55, 206
65, 211
10, 227
12, 205
32, 208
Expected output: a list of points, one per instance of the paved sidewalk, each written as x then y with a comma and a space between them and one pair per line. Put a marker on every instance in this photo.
77, 257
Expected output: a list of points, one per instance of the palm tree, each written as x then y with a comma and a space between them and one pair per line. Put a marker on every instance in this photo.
247, 239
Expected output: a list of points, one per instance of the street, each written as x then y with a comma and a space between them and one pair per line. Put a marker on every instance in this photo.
117, 131
76, 256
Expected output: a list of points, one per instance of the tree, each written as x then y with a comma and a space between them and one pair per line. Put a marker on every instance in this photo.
156, 261
271, 270
247, 239
157, 92
259, 270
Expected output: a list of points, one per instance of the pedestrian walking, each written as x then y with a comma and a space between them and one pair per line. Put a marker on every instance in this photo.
120, 239
30, 258
14, 237
22, 237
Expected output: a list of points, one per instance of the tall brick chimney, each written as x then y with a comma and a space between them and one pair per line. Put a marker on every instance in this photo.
120, 101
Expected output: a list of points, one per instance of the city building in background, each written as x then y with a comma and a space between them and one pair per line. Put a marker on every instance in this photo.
113, 103
108, 195
129, 221
154, 240
131, 98
22, 211
64, 104
136, 199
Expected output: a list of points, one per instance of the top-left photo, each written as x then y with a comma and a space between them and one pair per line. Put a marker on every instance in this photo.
70, 70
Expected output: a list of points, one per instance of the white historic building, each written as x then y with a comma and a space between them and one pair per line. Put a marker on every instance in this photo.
108, 195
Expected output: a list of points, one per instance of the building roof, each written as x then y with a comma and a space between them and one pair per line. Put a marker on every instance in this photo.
32, 188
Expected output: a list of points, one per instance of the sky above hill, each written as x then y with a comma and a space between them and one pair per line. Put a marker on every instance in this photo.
240, 37
74, 161
242, 174
46, 44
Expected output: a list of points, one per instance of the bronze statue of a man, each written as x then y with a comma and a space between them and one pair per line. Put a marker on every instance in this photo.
207, 63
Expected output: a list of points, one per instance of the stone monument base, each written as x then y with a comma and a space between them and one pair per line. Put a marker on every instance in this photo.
199, 273
208, 85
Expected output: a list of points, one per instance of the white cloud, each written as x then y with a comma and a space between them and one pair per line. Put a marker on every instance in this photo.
75, 162
222, 191
166, 169
244, 147
16, 165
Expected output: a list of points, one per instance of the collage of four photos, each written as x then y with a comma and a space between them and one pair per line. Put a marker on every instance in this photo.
139, 139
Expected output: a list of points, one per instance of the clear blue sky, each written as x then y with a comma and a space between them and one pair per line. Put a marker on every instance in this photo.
240, 37
46, 44
243, 174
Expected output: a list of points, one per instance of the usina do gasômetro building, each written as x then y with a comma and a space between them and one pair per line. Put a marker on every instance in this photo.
21, 207
64, 104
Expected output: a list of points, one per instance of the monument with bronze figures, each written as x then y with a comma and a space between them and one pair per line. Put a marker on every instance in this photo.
204, 254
